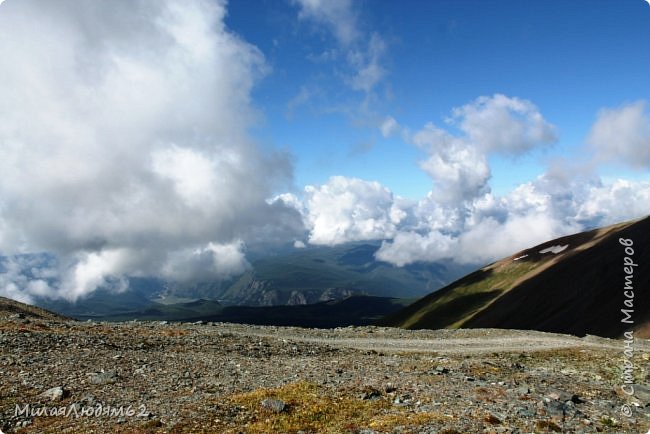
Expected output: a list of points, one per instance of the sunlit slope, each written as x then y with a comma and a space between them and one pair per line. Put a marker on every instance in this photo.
574, 284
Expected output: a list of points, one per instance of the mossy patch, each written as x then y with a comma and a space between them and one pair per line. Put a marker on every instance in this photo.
312, 408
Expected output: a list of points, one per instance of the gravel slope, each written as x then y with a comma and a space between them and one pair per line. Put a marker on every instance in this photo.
230, 378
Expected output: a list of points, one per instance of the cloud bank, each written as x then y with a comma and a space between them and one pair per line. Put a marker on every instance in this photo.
623, 135
123, 145
460, 218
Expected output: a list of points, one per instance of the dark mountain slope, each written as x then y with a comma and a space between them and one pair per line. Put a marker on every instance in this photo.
579, 289
355, 311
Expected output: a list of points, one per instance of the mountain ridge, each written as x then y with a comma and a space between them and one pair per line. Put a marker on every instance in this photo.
573, 284
289, 276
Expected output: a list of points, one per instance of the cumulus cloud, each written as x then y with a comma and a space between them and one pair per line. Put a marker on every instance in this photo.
350, 209
458, 168
615, 202
461, 219
490, 227
623, 135
460, 210
503, 124
458, 163
123, 144
408, 247
202, 263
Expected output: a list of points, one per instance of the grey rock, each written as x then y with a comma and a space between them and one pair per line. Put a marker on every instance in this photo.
642, 393
524, 412
101, 378
370, 393
54, 394
563, 396
274, 405
556, 408
522, 390
441, 370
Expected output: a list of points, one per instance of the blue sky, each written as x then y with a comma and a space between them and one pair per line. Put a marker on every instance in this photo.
166, 138
570, 59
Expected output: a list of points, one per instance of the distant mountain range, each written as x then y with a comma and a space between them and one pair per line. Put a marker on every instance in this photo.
314, 275
320, 273
574, 284
358, 310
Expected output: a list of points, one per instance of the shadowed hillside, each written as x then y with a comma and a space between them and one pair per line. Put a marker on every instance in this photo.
574, 284
355, 310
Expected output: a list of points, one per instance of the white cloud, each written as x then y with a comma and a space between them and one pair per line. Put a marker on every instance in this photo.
458, 164
491, 239
123, 142
489, 228
363, 52
205, 263
349, 209
337, 15
484, 241
408, 247
623, 135
475, 236
23, 277
388, 127
367, 64
193, 176
460, 218
615, 202
460, 172
95, 269
504, 124
477, 231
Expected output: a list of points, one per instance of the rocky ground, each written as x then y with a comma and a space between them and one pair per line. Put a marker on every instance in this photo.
60, 376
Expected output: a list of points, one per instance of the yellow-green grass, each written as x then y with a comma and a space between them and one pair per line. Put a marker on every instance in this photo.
312, 408
454, 305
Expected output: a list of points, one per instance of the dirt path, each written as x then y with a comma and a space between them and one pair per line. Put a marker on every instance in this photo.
441, 341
